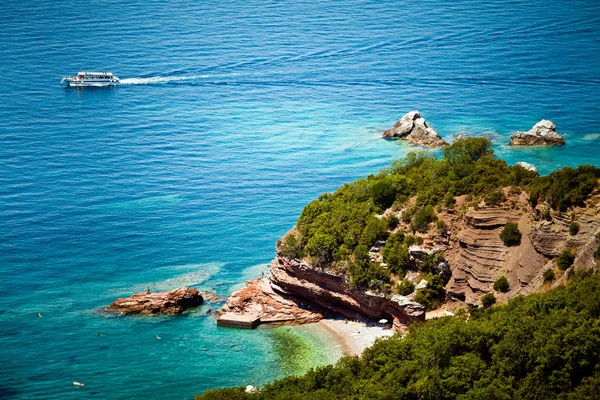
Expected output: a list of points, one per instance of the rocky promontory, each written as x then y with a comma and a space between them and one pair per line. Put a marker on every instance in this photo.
542, 133
173, 302
413, 128
297, 293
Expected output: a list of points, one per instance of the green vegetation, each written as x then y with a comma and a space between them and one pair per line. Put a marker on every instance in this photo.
544, 346
494, 198
549, 275
432, 295
573, 228
337, 230
566, 187
565, 260
405, 287
395, 252
488, 300
501, 285
510, 235
597, 254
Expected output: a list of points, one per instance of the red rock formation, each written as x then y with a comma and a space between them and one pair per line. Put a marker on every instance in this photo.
472, 247
173, 302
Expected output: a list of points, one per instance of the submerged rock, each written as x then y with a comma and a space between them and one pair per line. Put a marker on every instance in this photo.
173, 302
412, 127
542, 133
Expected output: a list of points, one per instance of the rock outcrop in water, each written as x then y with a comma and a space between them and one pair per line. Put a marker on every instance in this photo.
542, 133
412, 127
173, 302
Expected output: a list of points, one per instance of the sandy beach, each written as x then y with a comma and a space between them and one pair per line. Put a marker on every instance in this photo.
353, 337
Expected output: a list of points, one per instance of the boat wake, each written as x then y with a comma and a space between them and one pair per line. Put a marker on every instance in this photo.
157, 80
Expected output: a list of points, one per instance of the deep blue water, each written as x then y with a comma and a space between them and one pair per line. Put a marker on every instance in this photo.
232, 117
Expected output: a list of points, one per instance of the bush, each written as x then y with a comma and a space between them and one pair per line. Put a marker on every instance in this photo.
494, 198
501, 285
565, 260
290, 247
549, 275
449, 200
573, 228
422, 218
432, 295
405, 287
510, 235
597, 254
395, 252
546, 215
488, 300
392, 221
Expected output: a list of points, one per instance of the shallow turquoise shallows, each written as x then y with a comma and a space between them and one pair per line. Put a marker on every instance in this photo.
231, 117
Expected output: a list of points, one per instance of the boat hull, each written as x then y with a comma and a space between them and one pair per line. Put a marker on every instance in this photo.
91, 84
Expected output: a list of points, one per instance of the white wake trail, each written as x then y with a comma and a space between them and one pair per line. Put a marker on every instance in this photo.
161, 79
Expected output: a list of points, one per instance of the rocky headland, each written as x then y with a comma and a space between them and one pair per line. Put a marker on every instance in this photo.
413, 128
366, 253
173, 302
542, 133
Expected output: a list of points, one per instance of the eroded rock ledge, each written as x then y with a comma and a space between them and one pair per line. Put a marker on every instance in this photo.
296, 293
412, 127
542, 133
173, 302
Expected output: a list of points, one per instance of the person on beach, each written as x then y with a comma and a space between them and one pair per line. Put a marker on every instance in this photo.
148, 291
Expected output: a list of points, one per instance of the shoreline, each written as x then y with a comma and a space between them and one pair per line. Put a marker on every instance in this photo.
352, 337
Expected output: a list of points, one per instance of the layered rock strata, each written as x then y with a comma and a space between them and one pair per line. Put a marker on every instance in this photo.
173, 302
542, 133
413, 128
298, 293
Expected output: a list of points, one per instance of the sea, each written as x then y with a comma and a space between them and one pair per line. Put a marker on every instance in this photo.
232, 116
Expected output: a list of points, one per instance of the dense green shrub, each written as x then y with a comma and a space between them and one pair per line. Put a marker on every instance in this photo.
405, 287
549, 275
494, 198
546, 215
488, 300
501, 285
566, 187
510, 235
422, 218
395, 253
432, 295
290, 247
573, 228
597, 254
543, 346
565, 260
392, 222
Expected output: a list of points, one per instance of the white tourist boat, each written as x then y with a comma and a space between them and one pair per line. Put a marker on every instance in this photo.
91, 79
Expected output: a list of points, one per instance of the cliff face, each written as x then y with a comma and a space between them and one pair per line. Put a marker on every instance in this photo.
296, 292
294, 277
478, 257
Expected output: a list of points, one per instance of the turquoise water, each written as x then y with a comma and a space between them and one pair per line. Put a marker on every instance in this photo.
232, 116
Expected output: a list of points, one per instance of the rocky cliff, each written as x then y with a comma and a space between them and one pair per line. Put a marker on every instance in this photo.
298, 293
474, 258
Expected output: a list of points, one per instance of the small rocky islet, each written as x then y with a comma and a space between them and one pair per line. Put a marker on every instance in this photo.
413, 128
172, 302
